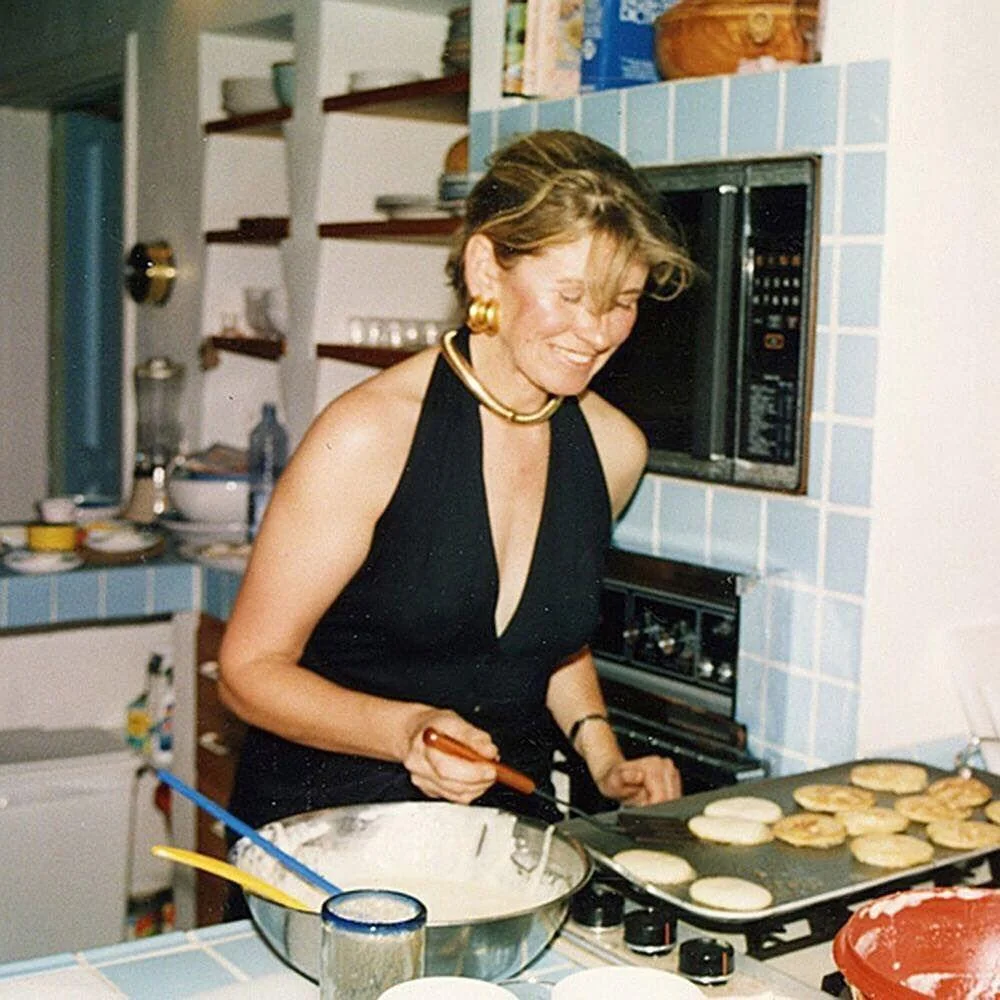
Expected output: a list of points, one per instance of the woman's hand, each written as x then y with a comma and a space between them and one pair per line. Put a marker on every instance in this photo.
441, 775
641, 782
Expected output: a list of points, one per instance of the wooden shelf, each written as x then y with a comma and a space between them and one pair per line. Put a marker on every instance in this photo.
434, 231
358, 354
252, 347
261, 123
444, 99
266, 231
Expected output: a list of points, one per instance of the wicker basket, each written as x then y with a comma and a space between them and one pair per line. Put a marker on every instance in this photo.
709, 37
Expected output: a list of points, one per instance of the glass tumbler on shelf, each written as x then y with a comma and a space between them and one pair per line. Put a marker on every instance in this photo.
372, 939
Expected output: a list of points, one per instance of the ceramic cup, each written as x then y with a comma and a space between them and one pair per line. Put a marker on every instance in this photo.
58, 510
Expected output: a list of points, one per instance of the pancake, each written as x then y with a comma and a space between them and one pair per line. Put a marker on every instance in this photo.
729, 830
928, 808
724, 892
876, 819
963, 835
808, 829
833, 798
745, 807
655, 866
891, 850
900, 779
961, 793
993, 811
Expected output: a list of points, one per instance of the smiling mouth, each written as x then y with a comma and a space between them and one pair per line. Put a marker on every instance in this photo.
578, 359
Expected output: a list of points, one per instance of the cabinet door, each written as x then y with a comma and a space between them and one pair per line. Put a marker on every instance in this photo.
219, 735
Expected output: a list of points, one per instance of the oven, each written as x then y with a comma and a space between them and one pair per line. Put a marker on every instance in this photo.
667, 651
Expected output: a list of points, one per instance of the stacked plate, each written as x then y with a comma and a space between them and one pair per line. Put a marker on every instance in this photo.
456, 56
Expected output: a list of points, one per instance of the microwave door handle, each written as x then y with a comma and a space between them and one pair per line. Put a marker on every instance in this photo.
715, 354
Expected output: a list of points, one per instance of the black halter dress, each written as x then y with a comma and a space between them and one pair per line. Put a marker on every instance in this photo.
416, 622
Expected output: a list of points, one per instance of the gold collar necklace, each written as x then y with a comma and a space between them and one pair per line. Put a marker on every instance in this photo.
468, 378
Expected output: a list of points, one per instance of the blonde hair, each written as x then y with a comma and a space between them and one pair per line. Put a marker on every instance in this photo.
556, 186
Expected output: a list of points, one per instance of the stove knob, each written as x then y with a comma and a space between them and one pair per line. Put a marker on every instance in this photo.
651, 930
706, 960
706, 668
724, 672
598, 908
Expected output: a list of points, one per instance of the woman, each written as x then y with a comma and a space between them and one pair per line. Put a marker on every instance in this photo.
433, 552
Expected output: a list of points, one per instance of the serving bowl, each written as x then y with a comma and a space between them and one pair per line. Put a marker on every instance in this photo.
507, 880
209, 498
246, 95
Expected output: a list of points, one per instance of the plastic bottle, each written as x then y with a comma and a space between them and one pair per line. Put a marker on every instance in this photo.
138, 719
268, 454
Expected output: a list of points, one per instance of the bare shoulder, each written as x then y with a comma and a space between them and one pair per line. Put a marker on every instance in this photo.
370, 427
621, 445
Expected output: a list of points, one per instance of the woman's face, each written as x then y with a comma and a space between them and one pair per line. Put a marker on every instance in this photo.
552, 320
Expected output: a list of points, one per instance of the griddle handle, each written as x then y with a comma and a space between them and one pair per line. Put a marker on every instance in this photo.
505, 775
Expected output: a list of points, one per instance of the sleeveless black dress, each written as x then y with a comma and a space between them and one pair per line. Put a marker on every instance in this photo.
416, 622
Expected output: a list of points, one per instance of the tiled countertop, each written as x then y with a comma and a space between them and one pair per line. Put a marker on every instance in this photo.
227, 962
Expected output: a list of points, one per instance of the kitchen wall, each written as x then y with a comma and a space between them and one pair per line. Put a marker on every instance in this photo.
844, 639
859, 583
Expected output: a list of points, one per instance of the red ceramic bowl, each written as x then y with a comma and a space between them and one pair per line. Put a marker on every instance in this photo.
941, 943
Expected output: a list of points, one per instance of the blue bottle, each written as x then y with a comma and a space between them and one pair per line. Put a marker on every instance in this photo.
268, 454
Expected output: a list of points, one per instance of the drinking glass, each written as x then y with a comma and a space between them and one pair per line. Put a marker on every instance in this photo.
372, 939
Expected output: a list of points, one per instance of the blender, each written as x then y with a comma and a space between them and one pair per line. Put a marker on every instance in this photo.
158, 384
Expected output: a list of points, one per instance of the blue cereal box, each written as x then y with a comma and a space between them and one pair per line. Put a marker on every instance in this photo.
618, 43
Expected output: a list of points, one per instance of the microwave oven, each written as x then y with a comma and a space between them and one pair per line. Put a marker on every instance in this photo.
719, 378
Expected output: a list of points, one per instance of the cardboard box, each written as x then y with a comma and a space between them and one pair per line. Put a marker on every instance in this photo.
618, 43
553, 38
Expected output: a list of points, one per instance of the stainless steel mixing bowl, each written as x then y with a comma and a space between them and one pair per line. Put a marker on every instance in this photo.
475, 845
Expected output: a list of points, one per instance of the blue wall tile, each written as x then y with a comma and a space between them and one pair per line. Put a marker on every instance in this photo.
851, 465
557, 114
29, 601
846, 553
829, 168
682, 521
480, 140
698, 120
857, 363
219, 591
824, 290
821, 366
836, 723
811, 100
867, 102
840, 639
164, 977
863, 211
514, 121
601, 116
753, 620
789, 706
792, 539
647, 124
791, 626
817, 457
248, 956
750, 693
735, 530
860, 284
753, 114
78, 596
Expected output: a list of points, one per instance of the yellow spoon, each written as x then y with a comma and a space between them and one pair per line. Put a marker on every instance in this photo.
227, 871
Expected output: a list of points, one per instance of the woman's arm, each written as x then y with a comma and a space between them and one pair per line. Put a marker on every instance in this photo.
575, 694
315, 536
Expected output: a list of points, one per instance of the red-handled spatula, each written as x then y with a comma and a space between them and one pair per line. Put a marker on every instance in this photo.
506, 775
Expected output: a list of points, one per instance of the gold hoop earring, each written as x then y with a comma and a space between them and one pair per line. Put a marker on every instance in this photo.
484, 316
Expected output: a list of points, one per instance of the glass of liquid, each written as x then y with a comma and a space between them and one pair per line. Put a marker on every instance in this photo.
372, 939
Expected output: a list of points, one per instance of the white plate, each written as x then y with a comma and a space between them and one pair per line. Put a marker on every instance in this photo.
625, 981
203, 532
14, 535
22, 561
121, 540
231, 556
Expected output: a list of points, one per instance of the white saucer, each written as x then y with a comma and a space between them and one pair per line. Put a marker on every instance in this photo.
202, 532
230, 556
121, 540
23, 561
